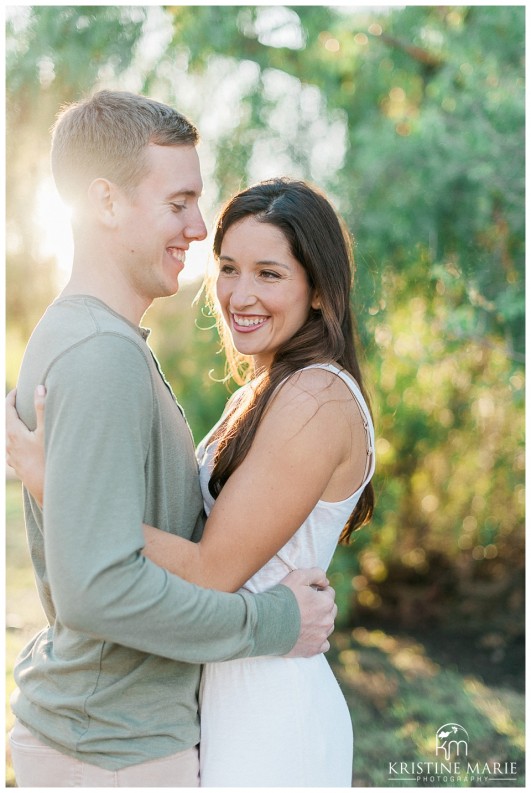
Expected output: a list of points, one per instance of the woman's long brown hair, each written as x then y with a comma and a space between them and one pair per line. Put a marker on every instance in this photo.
319, 241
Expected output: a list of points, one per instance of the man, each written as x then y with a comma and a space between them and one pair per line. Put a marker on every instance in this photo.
107, 694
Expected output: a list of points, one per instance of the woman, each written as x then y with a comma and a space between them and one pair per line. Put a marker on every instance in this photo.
285, 474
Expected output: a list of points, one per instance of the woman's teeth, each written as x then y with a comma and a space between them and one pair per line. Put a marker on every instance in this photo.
247, 322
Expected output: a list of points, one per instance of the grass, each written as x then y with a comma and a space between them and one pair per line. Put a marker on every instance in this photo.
400, 689
399, 697
24, 615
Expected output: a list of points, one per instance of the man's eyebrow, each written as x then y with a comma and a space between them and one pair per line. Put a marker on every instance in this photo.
185, 194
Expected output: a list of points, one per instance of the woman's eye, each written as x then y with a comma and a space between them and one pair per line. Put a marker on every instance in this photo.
269, 275
226, 269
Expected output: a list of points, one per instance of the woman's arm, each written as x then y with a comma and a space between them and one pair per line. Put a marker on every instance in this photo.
304, 436
24, 448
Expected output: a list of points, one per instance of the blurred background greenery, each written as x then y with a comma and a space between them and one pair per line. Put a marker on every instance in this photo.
412, 120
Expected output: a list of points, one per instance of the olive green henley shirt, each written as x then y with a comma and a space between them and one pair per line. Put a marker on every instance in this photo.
113, 679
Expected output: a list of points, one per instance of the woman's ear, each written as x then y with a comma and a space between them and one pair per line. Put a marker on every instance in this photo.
316, 301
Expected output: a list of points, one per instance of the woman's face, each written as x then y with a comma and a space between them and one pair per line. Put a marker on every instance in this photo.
263, 291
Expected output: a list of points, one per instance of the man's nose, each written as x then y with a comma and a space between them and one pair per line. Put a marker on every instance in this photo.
196, 228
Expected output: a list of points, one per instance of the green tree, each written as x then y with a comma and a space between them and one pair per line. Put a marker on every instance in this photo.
412, 118
54, 54
431, 99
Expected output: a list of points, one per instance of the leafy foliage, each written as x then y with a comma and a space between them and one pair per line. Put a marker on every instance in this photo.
412, 119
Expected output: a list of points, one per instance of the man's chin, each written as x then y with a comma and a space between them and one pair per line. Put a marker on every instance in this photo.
167, 290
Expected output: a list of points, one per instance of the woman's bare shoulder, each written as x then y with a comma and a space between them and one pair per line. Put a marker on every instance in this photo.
314, 385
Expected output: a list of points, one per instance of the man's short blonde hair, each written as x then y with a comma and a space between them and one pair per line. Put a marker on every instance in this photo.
106, 136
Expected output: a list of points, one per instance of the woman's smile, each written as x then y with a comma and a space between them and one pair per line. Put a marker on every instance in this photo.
247, 323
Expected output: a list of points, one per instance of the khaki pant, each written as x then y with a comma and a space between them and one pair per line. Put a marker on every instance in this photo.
38, 765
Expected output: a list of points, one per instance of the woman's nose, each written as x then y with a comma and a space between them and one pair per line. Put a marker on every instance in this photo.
243, 293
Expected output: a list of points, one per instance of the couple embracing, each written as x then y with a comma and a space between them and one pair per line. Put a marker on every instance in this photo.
186, 596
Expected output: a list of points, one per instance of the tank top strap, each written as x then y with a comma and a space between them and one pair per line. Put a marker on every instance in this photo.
364, 410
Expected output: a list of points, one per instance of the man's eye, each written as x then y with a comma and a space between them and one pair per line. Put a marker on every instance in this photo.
178, 207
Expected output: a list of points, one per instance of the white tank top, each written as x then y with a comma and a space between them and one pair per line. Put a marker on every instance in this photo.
314, 543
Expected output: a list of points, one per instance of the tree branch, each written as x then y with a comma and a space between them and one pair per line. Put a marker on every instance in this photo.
418, 54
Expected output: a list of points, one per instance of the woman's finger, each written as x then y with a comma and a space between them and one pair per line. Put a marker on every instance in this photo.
39, 402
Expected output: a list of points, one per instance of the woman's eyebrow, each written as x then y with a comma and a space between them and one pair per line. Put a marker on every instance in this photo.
262, 262
274, 263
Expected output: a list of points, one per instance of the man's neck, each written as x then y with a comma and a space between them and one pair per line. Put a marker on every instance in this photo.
110, 289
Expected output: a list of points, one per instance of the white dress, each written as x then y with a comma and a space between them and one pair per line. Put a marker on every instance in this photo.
272, 721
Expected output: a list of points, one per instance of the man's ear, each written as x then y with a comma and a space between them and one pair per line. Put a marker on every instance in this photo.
103, 196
